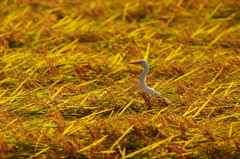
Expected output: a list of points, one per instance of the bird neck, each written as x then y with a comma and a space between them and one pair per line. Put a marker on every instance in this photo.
143, 78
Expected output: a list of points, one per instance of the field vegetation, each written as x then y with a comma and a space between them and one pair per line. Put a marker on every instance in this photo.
67, 90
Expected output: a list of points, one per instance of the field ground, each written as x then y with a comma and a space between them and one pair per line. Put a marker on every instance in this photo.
67, 90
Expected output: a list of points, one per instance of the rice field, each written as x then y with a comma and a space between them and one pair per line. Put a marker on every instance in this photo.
67, 90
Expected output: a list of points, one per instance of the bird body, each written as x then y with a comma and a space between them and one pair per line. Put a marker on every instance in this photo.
143, 84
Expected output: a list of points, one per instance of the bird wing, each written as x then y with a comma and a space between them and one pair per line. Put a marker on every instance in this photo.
156, 94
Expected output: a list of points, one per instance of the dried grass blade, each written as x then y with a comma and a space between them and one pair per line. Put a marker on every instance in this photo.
120, 138
86, 83
59, 90
212, 81
110, 19
93, 144
147, 52
83, 101
35, 155
151, 147
68, 128
201, 108
125, 11
14, 92
227, 91
173, 53
217, 38
214, 11
126, 107
186, 74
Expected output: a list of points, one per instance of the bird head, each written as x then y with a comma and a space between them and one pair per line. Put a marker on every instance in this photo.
142, 63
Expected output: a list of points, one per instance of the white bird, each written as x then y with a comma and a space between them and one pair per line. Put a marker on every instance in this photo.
143, 84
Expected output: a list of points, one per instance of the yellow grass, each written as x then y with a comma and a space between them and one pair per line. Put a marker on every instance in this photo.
67, 90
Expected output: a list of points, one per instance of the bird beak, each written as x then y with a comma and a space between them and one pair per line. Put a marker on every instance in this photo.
134, 62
